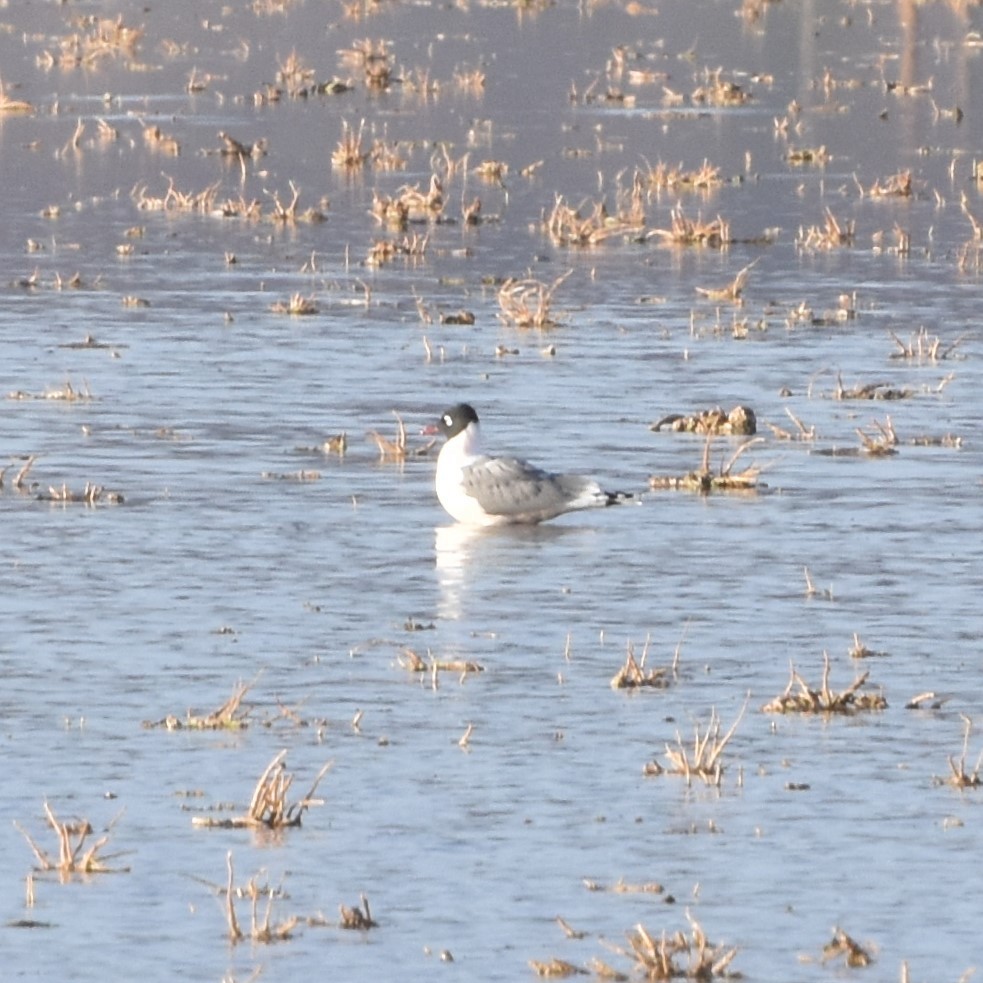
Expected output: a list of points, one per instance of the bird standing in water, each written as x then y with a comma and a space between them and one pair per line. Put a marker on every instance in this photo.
479, 490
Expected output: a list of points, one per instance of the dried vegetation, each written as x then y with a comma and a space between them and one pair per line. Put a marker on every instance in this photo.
799, 697
705, 480
74, 856
701, 760
269, 807
679, 955
231, 715
634, 674
528, 303
958, 775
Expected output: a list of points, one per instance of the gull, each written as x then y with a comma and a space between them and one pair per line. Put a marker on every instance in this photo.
479, 490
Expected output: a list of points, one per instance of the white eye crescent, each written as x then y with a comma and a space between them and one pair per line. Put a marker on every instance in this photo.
447, 419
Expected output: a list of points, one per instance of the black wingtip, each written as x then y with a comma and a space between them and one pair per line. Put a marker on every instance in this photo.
619, 497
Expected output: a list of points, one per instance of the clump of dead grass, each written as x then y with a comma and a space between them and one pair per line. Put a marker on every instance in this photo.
799, 697
269, 807
705, 480
732, 291
174, 200
229, 716
414, 662
896, 186
409, 204
398, 449
64, 394
408, 247
681, 955
882, 443
958, 776
841, 944
634, 675
358, 917
527, 302
74, 857
296, 305
741, 420
262, 928
665, 177
702, 760
831, 235
715, 90
684, 231
923, 347
569, 226
350, 154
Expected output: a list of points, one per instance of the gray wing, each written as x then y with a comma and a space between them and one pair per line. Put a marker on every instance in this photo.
511, 488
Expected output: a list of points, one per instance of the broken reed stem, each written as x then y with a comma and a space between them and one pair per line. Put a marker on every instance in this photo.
235, 933
71, 839
268, 807
960, 778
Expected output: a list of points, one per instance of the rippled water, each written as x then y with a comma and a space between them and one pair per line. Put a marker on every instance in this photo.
203, 405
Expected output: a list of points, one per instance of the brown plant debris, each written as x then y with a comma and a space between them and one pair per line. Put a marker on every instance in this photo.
959, 777
268, 807
882, 443
398, 449
528, 303
930, 700
804, 699
869, 390
567, 226
350, 154
383, 251
359, 917
13, 106
89, 494
634, 675
413, 662
555, 969
860, 651
177, 201
842, 944
896, 186
705, 480
67, 393
923, 347
684, 231
299, 476
663, 177
831, 235
297, 305
410, 204
262, 928
801, 432
72, 837
568, 930
662, 958
97, 38
288, 214
622, 887
703, 759
740, 420
808, 155
731, 291
718, 91
229, 716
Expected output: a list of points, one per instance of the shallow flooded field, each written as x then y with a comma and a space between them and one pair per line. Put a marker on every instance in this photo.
249, 250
